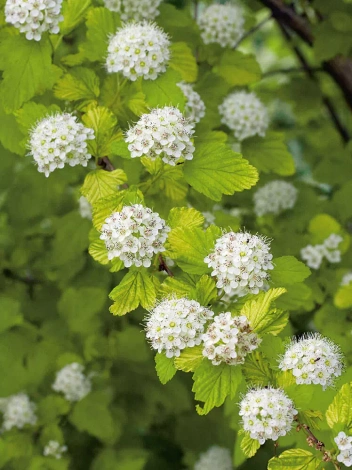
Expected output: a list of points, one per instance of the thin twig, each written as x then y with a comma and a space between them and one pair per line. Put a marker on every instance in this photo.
164, 267
253, 30
290, 70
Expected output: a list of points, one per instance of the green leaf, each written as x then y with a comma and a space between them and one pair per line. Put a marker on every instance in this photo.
323, 225
135, 289
189, 359
80, 84
164, 368
238, 69
294, 459
212, 384
311, 418
339, 413
297, 296
262, 318
103, 121
216, 170
256, 369
73, 12
205, 290
343, 297
100, 183
103, 208
101, 23
288, 270
164, 90
10, 135
52, 406
269, 154
120, 148
183, 286
10, 313
249, 446
189, 247
185, 217
28, 72
183, 61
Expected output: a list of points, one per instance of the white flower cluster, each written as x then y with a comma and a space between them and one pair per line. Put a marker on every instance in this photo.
17, 411
134, 235
57, 140
175, 324
34, 17
54, 449
138, 50
267, 413
347, 279
313, 359
274, 198
222, 24
229, 339
71, 381
195, 107
85, 209
344, 444
136, 10
313, 255
165, 132
240, 262
245, 114
215, 458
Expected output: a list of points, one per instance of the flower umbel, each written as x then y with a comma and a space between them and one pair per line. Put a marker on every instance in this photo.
229, 339
195, 107
313, 359
34, 17
240, 262
134, 235
222, 24
215, 458
267, 413
313, 255
17, 411
163, 133
244, 114
274, 198
138, 50
72, 382
59, 140
54, 449
136, 10
175, 324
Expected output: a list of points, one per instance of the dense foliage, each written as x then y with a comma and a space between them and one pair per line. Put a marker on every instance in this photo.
176, 219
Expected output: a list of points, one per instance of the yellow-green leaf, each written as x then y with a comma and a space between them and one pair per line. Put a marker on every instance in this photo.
100, 183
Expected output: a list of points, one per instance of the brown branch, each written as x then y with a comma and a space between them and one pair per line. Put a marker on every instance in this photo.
106, 164
339, 68
311, 73
164, 267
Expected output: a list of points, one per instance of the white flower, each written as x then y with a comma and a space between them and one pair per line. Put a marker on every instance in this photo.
344, 444
34, 17
274, 198
229, 339
85, 209
347, 279
138, 50
313, 359
134, 235
240, 262
195, 107
244, 114
59, 140
136, 10
165, 132
54, 449
215, 458
267, 413
313, 255
222, 24
17, 411
175, 324
71, 381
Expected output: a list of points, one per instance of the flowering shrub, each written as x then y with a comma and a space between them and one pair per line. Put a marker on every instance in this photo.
175, 243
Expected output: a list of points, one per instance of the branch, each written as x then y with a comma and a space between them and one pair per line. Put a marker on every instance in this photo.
164, 267
339, 68
106, 164
253, 30
311, 73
